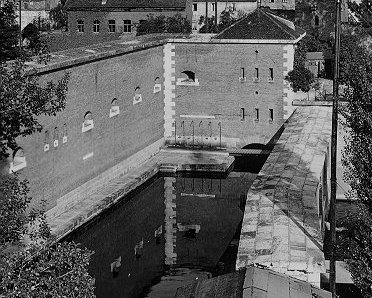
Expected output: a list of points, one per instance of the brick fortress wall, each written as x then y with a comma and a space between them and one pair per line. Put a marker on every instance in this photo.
167, 104
227, 93
85, 155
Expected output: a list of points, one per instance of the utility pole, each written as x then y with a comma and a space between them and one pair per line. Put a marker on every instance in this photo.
20, 23
215, 15
332, 211
206, 17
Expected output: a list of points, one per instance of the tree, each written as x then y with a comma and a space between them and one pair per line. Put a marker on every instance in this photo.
9, 31
356, 75
22, 100
42, 268
59, 16
161, 24
300, 78
363, 12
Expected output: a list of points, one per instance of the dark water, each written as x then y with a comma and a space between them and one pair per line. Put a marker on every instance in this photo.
174, 231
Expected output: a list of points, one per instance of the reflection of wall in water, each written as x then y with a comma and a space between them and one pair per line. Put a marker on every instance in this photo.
117, 234
207, 217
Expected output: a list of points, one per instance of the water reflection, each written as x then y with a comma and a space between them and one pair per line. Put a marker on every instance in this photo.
174, 231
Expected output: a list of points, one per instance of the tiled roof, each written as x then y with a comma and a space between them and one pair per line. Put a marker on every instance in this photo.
251, 282
281, 226
120, 4
261, 24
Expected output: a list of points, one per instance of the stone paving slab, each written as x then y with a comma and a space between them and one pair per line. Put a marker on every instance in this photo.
283, 229
80, 207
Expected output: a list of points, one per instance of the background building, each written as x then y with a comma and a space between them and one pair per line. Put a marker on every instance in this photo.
115, 16
239, 7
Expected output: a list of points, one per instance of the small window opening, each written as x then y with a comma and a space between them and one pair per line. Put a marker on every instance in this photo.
195, 6
18, 157
190, 76
157, 85
55, 137
256, 73
19, 160
137, 95
242, 114
115, 267
80, 26
114, 109
242, 72
213, 6
127, 26
138, 249
112, 25
271, 73
256, 92
96, 24
257, 114
88, 122
271, 112
190, 234
316, 21
46, 140
64, 139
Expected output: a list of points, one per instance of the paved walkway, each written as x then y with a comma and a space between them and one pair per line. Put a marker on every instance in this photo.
282, 220
73, 211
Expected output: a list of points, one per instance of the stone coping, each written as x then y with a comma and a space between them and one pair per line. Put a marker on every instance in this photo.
66, 217
282, 227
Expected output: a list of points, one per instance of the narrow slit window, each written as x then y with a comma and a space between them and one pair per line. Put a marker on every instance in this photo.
64, 139
257, 114
46, 140
242, 114
256, 74
271, 113
271, 74
55, 137
242, 72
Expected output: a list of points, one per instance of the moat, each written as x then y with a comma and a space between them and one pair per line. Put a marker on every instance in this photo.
170, 232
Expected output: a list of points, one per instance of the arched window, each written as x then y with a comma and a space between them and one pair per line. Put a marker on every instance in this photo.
64, 138
137, 96
80, 26
19, 160
96, 24
157, 85
55, 137
88, 122
46, 140
188, 79
114, 109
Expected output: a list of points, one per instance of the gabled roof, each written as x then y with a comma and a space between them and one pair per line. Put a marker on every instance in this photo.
260, 24
251, 282
122, 4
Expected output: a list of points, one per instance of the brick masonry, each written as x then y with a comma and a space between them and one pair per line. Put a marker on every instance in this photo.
217, 109
92, 87
220, 98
